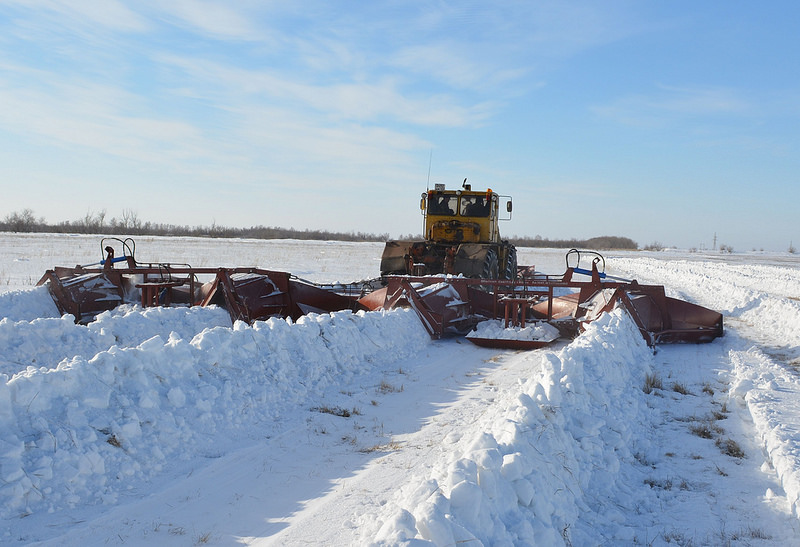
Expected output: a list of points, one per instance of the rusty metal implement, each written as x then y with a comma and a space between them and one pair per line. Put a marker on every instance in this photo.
446, 305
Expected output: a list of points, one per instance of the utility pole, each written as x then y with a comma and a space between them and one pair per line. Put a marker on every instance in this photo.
715, 241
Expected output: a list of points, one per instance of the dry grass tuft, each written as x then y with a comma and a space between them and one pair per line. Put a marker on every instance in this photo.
703, 430
202, 539
651, 383
680, 388
386, 387
730, 448
391, 446
337, 411
750, 533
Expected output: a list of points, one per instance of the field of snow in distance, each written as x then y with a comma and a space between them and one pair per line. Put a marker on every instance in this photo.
171, 426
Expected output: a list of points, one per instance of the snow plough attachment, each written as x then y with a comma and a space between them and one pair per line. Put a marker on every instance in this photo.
458, 306
248, 294
449, 305
660, 318
525, 312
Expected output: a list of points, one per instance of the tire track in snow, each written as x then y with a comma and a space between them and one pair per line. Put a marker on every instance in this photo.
762, 315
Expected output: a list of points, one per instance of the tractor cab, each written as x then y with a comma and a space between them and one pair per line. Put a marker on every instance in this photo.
463, 215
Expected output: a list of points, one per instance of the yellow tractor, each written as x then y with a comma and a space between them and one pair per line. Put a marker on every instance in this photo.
462, 236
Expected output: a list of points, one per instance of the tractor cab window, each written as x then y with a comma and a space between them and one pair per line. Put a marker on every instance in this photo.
439, 204
474, 206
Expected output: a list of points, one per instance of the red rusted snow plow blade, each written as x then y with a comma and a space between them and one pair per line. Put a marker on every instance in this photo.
455, 305
660, 319
452, 306
256, 295
446, 305
442, 306
83, 294
690, 323
249, 294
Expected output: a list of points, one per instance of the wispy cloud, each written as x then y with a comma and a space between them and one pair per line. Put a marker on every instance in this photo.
252, 140
222, 20
92, 116
671, 104
83, 14
456, 67
379, 100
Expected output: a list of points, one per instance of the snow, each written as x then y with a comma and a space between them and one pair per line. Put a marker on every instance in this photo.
767, 391
533, 332
171, 426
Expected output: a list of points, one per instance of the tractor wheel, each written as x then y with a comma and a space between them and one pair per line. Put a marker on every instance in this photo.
490, 268
511, 265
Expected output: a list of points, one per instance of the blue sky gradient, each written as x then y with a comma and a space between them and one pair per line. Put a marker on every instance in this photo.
660, 121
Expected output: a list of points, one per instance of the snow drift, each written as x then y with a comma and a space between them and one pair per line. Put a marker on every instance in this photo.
545, 454
112, 403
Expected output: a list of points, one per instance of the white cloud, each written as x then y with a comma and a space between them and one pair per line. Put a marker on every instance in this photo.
216, 19
670, 104
378, 101
701, 100
87, 116
109, 14
454, 66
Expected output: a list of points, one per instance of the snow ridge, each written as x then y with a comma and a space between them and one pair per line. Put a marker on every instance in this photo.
119, 401
764, 391
538, 467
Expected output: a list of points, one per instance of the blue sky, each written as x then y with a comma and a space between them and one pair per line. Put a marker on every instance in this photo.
660, 121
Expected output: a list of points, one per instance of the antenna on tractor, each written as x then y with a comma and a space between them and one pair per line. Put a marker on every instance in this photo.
430, 161
466, 186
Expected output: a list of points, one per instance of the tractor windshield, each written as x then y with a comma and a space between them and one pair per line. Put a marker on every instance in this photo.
474, 206
442, 204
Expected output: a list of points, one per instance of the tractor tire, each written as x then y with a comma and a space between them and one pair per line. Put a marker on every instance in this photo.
511, 265
490, 268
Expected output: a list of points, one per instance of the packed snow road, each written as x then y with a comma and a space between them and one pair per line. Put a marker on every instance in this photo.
170, 427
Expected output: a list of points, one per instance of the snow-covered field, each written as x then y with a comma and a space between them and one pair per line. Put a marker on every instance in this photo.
173, 427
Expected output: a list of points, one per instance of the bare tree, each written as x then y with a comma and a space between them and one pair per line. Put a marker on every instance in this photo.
130, 220
23, 221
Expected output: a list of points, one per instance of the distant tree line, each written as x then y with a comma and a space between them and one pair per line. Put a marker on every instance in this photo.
602, 243
129, 224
